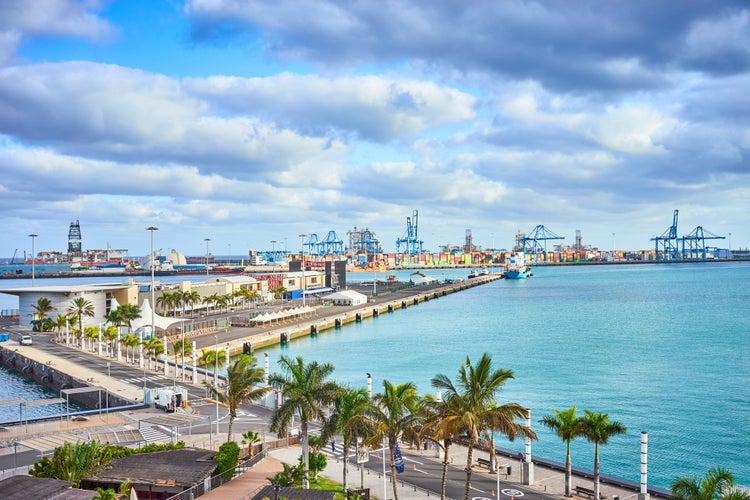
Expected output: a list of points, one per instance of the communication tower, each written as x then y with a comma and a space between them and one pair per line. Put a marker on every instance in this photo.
74, 238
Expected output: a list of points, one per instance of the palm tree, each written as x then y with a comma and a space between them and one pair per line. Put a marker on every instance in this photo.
597, 428
250, 438
349, 420
717, 484
213, 359
306, 393
390, 416
185, 348
166, 301
42, 308
81, 307
154, 347
191, 298
60, 323
567, 426
241, 386
128, 313
476, 408
130, 342
440, 424
109, 334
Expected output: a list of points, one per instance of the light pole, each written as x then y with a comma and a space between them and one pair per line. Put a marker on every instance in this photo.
216, 385
153, 291
303, 268
207, 240
33, 257
273, 253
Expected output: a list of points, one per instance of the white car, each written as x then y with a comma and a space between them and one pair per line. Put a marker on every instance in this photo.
24, 339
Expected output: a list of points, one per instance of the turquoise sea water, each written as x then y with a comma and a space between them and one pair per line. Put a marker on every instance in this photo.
661, 348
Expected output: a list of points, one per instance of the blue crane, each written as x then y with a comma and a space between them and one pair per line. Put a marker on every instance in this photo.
694, 243
332, 245
536, 242
668, 241
410, 242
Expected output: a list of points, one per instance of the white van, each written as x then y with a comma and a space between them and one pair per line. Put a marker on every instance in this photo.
24, 339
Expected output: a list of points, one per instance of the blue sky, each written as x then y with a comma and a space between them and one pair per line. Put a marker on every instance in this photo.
247, 121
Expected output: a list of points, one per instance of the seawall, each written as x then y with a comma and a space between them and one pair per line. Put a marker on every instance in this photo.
57, 379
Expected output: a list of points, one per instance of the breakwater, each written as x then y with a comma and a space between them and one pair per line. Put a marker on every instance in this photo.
335, 317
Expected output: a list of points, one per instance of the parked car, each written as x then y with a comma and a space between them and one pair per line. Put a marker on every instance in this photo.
24, 339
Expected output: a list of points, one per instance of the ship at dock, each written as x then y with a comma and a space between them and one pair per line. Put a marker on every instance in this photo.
515, 266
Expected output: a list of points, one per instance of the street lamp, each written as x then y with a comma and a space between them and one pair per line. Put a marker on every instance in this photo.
207, 240
153, 293
216, 384
303, 268
33, 257
273, 253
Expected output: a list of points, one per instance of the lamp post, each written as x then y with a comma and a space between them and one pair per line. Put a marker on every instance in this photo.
216, 385
303, 268
273, 253
207, 240
153, 293
33, 257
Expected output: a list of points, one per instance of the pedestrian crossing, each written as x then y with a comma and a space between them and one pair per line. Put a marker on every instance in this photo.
157, 433
148, 378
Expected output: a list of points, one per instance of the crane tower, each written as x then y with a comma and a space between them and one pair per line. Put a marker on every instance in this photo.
409, 242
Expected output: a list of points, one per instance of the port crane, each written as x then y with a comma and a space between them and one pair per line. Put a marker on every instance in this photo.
331, 245
668, 241
536, 242
669, 246
694, 243
409, 242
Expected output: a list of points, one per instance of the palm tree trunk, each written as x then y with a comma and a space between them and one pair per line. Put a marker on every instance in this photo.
229, 430
391, 449
346, 462
568, 472
596, 471
305, 455
469, 459
444, 482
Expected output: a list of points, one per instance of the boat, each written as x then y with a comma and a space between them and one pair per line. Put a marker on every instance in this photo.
515, 266
474, 273
484, 271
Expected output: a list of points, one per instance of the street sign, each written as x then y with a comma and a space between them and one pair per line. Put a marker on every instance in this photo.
363, 455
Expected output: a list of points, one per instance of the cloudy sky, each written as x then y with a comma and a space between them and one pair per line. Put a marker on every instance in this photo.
246, 121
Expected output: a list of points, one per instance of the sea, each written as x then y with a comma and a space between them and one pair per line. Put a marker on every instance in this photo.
661, 348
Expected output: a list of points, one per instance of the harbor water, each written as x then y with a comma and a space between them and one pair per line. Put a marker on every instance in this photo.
661, 348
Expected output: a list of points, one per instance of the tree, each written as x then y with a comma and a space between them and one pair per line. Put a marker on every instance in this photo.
349, 419
567, 426
185, 348
441, 424
72, 461
476, 409
213, 359
391, 414
597, 428
41, 309
130, 342
80, 307
306, 393
153, 346
717, 484
241, 386
166, 301
127, 313
191, 298
250, 438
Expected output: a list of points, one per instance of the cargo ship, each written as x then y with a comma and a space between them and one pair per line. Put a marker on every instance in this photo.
515, 266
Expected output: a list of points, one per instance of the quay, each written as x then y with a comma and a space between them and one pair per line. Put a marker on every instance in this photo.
332, 316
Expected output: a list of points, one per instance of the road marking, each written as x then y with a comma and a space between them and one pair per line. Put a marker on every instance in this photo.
511, 492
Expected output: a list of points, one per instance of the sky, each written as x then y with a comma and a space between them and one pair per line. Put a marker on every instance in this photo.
249, 121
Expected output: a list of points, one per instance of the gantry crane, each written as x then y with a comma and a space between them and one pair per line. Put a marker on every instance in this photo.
410, 242
536, 242
694, 243
668, 241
